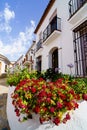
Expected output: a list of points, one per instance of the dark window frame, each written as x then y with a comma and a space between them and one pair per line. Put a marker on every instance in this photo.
80, 49
74, 6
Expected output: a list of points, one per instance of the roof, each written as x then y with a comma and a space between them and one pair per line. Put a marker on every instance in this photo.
4, 58
51, 2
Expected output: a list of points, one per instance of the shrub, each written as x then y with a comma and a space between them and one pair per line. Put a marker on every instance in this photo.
52, 75
18, 75
79, 85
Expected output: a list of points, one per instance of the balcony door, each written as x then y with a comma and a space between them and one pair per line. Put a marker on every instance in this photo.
55, 59
39, 63
53, 24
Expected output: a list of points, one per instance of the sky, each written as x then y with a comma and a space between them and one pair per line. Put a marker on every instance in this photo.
18, 20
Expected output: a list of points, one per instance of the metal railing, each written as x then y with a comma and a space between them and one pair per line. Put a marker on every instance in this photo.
75, 5
39, 45
55, 25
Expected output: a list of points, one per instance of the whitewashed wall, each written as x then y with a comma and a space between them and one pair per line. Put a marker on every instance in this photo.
2, 66
64, 40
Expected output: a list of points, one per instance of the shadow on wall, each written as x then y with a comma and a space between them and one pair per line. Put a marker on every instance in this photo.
3, 116
3, 81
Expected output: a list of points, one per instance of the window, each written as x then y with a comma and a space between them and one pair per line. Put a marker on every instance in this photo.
39, 63
80, 49
5, 68
75, 5
55, 59
40, 36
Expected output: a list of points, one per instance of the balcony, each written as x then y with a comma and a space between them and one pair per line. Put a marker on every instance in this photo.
52, 30
77, 11
28, 62
39, 45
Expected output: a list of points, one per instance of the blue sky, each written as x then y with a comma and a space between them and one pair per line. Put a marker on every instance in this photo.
18, 19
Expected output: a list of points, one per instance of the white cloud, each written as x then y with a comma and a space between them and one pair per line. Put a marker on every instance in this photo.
8, 14
1, 44
20, 45
5, 17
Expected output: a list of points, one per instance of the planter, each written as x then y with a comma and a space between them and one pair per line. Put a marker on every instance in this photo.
78, 119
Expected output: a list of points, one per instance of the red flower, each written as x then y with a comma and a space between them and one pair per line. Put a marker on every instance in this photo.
49, 95
41, 119
84, 96
68, 116
56, 121
44, 109
60, 80
59, 105
68, 105
26, 88
74, 83
75, 104
64, 120
33, 89
71, 91
62, 96
52, 109
37, 109
17, 112
44, 86
78, 97
48, 100
22, 106
42, 93
63, 87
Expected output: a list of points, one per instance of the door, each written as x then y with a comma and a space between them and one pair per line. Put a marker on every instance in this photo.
55, 59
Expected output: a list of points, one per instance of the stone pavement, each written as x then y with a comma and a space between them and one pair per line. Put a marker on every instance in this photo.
3, 101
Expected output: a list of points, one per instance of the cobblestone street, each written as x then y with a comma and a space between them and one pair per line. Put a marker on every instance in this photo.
3, 100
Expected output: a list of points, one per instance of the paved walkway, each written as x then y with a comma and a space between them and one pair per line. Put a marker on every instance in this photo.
3, 100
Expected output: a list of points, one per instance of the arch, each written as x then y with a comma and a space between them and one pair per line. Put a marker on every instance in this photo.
53, 58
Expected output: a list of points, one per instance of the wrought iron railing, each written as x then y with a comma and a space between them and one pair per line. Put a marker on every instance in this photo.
39, 45
54, 25
75, 5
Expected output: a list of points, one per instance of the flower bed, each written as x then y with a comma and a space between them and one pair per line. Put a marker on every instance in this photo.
44, 105
51, 100
78, 119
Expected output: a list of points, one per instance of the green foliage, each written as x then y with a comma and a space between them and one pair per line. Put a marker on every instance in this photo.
79, 85
39, 74
52, 75
18, 75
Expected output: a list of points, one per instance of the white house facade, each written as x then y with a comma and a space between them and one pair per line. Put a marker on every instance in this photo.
4, 64
57, 40
18, 63
29, 59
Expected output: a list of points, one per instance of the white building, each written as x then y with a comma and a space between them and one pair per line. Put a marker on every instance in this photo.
18, 63
4, 64
61, 37
29, 59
